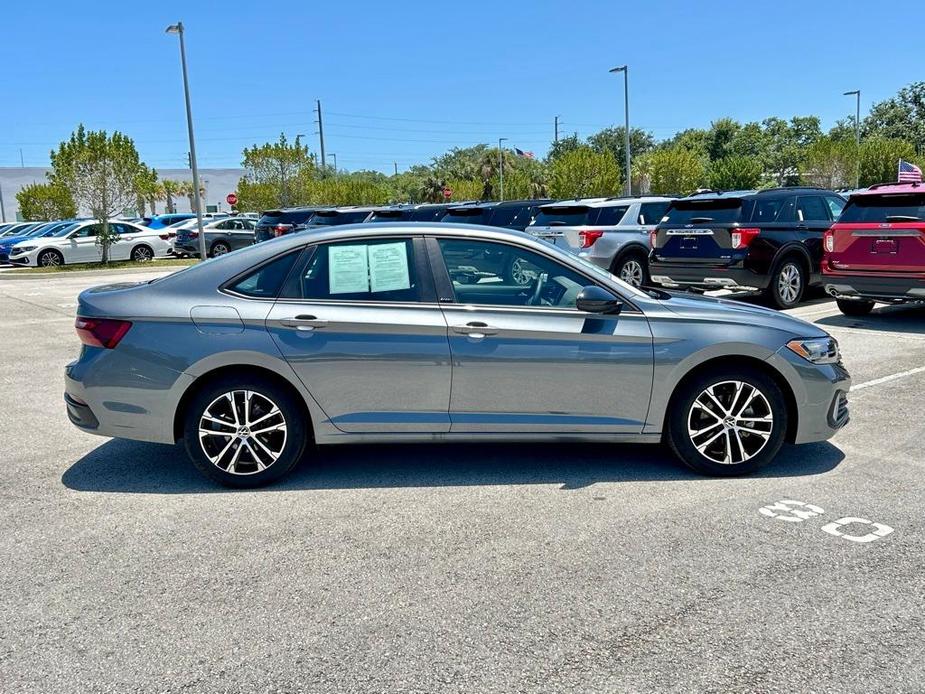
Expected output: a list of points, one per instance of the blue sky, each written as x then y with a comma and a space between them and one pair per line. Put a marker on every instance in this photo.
403, 81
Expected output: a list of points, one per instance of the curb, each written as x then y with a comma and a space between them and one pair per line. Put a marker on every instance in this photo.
86, 273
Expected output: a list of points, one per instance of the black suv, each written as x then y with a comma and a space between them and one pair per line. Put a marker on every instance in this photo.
275, 223
511, 214
768, 240
409, 213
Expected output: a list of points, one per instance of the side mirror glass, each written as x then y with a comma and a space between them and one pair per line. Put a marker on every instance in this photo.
593, 299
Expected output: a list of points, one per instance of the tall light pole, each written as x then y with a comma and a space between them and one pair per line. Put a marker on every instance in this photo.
501, 168
626, 105
178, 29
857, 137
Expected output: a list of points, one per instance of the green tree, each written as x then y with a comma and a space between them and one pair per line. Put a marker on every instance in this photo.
676, 170
280, 167
719, 138
432, 188
695, 140
830, 162
563, 146
880, 159
787, 143
147, 189
901, 117
45, 201
613, 140
99, 171
735, 172
171, 189
584, 173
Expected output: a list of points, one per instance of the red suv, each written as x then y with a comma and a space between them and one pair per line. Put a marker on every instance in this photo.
876, 249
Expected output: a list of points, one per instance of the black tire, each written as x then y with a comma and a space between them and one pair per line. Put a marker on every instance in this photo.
219, 248
142, 254
290, 444
634, 264
854, 308
752, 454
49, 259
788, 273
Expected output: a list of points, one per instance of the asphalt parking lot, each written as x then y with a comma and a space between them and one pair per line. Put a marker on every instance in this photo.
468, 568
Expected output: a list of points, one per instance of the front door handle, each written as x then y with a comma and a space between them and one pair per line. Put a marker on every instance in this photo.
304, 322
475, 329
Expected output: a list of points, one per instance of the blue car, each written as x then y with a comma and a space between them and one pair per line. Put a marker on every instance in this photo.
165, 220
31, 231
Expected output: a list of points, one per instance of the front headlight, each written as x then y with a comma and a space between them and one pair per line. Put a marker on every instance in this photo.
818, 350
24, 249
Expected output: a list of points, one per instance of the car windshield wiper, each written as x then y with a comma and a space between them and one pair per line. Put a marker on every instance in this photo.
698, 220
557, 223
902, 218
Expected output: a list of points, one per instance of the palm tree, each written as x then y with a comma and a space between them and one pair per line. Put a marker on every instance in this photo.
432, 189
171, 189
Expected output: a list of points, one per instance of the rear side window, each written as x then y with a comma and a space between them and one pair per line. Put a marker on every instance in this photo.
608, 216
884, 208
812, 208
507, 216
704, 212
836, 205
652, 212
562, 216
380, 270
266, 281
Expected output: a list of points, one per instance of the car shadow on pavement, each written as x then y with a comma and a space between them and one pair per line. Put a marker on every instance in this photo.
133, 467
909, 319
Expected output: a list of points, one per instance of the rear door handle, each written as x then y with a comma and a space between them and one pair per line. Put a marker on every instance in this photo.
304, 322
475, 329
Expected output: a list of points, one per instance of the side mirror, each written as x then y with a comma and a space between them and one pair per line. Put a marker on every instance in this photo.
593, 299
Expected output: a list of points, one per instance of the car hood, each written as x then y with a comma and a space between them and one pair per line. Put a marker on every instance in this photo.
720, 310
13, 240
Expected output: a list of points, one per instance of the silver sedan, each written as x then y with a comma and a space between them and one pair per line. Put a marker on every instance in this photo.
407, 333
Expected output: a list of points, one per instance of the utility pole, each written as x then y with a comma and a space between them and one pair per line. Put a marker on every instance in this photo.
501, 168
22, 163
556, 126
2, 208
395, 164
320, 133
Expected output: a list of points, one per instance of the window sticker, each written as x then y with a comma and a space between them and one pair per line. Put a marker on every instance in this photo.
348, 270
388, 267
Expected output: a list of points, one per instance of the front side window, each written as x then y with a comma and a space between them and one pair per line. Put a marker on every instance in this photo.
651, 212
812, 208
88, 231
380, 270
499, 274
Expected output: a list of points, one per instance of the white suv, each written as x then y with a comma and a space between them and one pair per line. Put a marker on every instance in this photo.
612, 233
77, 244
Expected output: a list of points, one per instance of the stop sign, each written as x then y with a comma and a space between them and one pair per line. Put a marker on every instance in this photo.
231, 199
447, 193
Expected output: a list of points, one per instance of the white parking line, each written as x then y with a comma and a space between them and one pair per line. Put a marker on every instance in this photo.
887, 379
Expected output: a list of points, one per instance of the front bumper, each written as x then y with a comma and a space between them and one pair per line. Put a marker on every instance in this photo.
705, 276
876, 288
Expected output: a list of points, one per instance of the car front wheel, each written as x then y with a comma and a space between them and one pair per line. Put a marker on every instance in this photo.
787, 285
244, 432
142, 254
727, 422
50, 259
219, 248
633, 269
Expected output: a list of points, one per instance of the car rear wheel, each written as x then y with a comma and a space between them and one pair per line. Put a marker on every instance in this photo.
788, 282
142, 254
854, 308
50, 259
727, 422
244, 432
219, 248
633, 268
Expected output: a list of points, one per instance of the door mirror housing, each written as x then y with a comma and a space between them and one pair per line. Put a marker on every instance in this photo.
594, 299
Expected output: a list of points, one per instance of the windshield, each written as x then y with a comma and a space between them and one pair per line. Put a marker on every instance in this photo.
884, 208
562, 216
66, 230
704, 211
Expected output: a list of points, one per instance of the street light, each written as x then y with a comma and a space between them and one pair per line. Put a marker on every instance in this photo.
178, 29
626, 103
501, 167
857, 136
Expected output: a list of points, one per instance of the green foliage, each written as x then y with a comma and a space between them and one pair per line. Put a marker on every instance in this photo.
562, 147
735, 172
147, 189
100, 173
584, 173
464, 190
45, 201
830, 162
613, 140
282, 172
675, 170
901, 117
880, 159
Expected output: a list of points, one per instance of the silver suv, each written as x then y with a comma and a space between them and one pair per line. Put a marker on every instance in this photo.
612, 233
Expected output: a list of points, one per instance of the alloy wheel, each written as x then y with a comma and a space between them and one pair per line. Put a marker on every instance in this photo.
142, 254
50, 259
789, 283
631, 272
242, 432
730, 422
219, 249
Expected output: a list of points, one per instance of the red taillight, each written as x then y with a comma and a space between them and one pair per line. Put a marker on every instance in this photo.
741, 238
164, 237
828, 240
281, 229
589, 237
193, 235
101, 332
653, 237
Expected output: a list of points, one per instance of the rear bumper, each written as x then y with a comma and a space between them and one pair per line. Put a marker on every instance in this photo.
706, 276
873, 288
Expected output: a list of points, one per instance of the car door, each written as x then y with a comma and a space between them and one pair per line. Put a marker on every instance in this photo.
359, 323
813, 218
526, 360
241, 233
122, 237
81, 245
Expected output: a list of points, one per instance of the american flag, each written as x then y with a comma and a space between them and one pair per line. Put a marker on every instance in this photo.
909, 173
529, 155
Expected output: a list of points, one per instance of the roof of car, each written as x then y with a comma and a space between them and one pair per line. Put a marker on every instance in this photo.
890, 189
494, 203
708, 194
